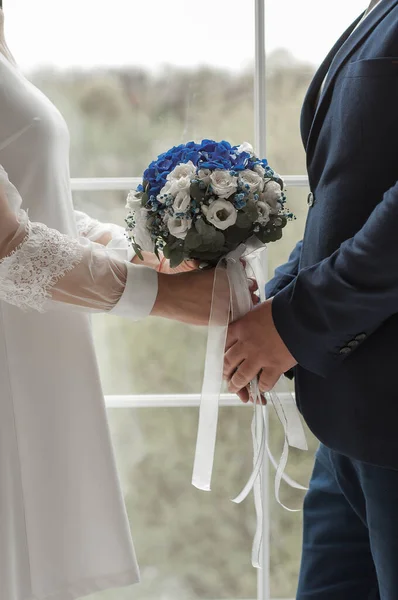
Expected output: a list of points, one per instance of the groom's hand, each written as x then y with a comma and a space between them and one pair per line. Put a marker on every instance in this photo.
254, 346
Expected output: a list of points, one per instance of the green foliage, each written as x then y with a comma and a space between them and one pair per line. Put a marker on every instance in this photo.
250, 211
174, 251
137, 250
197, 192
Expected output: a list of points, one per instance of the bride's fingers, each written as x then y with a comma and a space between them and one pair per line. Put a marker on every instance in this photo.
253, 284
244, 395
253, 287
187, 265
184, 267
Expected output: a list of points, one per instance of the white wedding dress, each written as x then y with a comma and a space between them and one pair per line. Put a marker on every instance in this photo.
63, 526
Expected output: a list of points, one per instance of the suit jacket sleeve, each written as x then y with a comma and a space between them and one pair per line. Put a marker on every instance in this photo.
331, 307
285, 273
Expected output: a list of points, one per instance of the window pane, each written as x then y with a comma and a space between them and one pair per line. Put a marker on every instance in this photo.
278, 253
190, 544
135, 78
298, 39
286, 527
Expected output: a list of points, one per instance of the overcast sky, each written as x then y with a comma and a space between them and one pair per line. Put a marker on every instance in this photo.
65, 33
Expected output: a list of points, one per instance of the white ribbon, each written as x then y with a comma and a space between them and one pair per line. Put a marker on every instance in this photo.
231, 293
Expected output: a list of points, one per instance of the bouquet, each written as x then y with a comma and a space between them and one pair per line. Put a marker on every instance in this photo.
201, 201
217, 203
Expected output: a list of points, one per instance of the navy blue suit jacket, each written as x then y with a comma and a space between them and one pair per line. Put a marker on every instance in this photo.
336, 301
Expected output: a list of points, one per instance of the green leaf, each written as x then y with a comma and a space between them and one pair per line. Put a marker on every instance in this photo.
251, 211
172, 245
196, 192
144, 199
137, 250
176, 257
193, 240
243, 220
269, 234
208, 255
167, 250
204, 229
236, 235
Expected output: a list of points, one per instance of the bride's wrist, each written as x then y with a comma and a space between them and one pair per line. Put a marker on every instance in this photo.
163, 306
149, 260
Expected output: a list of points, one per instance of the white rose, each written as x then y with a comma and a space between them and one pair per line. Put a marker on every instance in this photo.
223, 183
182, 170
164, 192
259, 169
182, 202
133, 202
142, 237
174, 187
264, 211
272, 195
251, 181
204, 176
221, 213
246, 147
179, 226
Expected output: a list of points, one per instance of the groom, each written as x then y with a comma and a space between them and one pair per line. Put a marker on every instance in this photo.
333, 317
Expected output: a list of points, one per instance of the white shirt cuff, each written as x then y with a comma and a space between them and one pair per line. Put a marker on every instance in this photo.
139, 295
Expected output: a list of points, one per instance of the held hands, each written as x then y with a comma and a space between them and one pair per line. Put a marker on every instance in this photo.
254, 347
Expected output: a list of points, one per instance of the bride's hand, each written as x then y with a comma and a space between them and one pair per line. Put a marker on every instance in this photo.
163, 265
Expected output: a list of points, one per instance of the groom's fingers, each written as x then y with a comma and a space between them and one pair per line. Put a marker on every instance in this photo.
232, 336
232, 359
242, 377
268, 380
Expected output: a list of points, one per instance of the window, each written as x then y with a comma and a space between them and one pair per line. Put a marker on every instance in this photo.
132, 79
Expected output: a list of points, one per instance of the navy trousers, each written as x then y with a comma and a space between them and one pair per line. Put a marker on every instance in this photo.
350, 541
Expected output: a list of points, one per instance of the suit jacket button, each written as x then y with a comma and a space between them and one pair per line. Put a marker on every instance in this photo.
310, 199
354, 344
345, 350
360, 337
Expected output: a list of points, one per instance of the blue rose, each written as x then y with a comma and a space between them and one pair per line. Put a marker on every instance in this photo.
223, 149
165, 164
241, 162
216, 164
190, 155
208, 146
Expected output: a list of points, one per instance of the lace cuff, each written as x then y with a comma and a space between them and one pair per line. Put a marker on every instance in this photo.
29, 272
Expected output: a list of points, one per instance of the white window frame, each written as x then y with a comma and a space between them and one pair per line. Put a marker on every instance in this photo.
127, 183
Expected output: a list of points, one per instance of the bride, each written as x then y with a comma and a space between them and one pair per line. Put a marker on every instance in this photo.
63, 526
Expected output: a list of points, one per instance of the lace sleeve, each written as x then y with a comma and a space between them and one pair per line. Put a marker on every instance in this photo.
36, 264
40, 267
